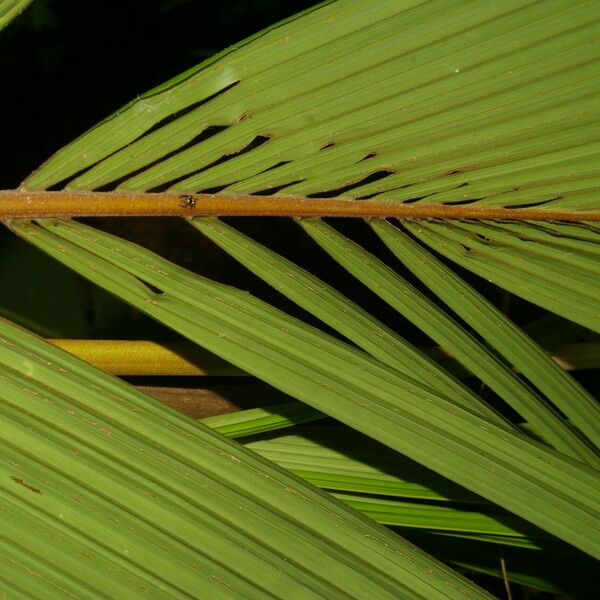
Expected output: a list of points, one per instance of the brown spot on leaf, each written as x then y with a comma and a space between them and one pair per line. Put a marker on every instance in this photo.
28, 486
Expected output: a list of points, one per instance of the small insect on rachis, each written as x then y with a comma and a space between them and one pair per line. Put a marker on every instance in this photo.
187, 201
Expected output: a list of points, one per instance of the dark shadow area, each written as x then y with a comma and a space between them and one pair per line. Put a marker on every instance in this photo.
572, 573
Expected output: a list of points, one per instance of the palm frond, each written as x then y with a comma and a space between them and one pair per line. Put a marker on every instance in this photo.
563, 288
538, 484
446, 103
105, 479
441, 327
9, 9
485, 103
248, 422
499, 332
344, 316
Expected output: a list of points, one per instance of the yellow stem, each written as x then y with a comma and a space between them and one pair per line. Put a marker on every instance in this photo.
24, 203
141, 357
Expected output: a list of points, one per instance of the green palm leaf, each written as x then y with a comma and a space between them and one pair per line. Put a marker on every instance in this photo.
106, 480
337, 311
561, 288
9, 9
339, 380
251, 421
438, 103
450, 334
432, 115
502, 334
